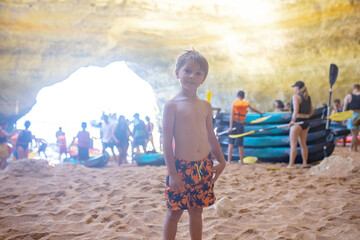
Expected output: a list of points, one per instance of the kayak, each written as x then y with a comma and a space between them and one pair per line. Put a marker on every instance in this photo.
314, 127
275, 141
276, 117
274, 145
281, 154
96, 161
347, 141
153, 159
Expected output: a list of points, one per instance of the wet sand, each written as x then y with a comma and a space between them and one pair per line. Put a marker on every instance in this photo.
127, 202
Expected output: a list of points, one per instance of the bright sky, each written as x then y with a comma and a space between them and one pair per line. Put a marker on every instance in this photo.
85, 95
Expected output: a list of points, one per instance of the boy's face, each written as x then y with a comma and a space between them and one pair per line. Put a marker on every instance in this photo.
191, 75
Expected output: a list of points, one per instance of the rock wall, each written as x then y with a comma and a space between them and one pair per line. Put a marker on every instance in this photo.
260, 46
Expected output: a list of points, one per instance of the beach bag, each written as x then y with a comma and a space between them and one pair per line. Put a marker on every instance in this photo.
356, 121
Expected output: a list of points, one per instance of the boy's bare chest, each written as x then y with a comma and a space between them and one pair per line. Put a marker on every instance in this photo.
195, 112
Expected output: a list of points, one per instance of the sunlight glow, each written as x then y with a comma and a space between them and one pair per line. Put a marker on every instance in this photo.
85, 95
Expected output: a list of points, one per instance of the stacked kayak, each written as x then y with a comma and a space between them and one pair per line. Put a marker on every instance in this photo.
274, 145
95, 161
153, 159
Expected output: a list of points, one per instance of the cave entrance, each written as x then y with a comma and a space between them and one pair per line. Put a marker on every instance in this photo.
85, 96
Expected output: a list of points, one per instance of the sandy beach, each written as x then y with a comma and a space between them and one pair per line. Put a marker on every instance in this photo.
127, 202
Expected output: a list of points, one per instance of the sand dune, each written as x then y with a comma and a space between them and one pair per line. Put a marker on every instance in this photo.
127, 202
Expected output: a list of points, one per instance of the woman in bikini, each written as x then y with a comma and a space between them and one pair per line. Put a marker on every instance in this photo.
301, 109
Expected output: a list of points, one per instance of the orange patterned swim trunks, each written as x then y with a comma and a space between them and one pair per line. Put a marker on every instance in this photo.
196, 177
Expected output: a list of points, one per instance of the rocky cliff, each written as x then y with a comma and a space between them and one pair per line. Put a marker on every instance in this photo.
260, 46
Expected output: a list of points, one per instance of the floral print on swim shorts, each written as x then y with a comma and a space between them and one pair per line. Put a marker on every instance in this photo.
198, 191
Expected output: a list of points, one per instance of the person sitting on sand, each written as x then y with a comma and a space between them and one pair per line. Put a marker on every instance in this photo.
83, 144
352, 102
237, 118
279, 106
4, 153
191, 175
301, 109
149, 130
24, 140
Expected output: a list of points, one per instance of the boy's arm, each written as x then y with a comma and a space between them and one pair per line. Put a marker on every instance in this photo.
255, 110
214, 146
231, 118
168, 135
296, 104
346, 102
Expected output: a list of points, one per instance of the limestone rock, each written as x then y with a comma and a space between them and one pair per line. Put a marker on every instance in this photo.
260, 46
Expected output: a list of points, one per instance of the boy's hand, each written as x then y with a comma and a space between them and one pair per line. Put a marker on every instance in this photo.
217, 170
175, 183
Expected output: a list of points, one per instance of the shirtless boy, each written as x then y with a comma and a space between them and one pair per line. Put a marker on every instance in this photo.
191, 175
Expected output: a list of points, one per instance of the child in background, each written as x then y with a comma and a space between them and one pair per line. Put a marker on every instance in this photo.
191, 175
238, 115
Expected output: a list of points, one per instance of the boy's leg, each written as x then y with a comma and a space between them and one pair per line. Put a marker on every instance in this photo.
230, 151
354, 143
195, 223
241, 154
294, 136
170, 224
303, 145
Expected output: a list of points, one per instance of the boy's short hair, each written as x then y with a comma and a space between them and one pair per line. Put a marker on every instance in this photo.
241, 94
357, 86
194, 55
337, 101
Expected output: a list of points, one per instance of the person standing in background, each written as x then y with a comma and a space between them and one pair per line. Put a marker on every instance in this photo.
352, 102
149, 130
302, 109
83, 144
24, 140
61, 141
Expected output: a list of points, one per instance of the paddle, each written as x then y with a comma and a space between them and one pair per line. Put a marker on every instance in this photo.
208, 96
333, 73
258, 120
341, 116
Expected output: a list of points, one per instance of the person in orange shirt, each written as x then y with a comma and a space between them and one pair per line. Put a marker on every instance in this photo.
237, 118
61, 140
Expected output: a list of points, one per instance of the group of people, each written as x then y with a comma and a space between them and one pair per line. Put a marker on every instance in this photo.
22, 143
301, 108
114, 132
117, 135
